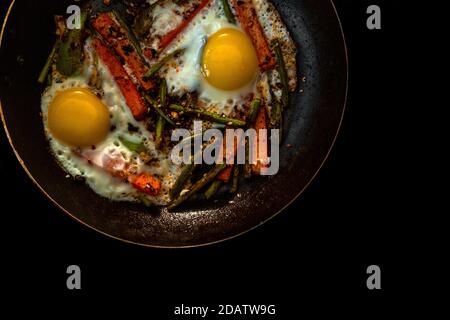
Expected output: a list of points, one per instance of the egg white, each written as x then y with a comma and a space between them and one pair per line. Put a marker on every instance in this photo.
98, 179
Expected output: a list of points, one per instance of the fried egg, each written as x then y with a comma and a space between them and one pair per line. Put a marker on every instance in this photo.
86, 127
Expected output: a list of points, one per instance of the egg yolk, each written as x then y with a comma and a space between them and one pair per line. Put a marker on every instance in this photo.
78, 118
229, 60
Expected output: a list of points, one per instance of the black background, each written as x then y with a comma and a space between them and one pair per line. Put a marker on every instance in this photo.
311, 257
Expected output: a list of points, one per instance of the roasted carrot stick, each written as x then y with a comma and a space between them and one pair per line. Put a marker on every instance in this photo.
262, 144
134, 100
248, 18
118, 38
146, 183
172, 35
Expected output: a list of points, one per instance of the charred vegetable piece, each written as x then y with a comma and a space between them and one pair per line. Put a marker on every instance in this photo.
156, 107
214, 117
46, 69
70, 52
130, 34
281, 67
185, 175
155, 68
161, 120
132, 96
254, 110
146, 183
248, 18
213, 189
235, 184
117, 37
172, 35
203, 182
228, 13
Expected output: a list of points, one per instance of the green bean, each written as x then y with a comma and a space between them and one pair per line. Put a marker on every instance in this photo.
156, 67
254, 110
45, 71
160, 125
137, 147
214, 117
204, 181
185, 175
213, 189
155, 106
281, 67
235, 182
228, 13
70, 51
130, 33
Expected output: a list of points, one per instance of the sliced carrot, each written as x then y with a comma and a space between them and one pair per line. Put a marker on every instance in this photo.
119, 40
248, 18
262, 144
134, 100
146, 183
172, 35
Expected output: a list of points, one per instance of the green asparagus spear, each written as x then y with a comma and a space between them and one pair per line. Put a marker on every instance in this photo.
214, 117
207, 178
70, 51
254, 109
155, 68
45, 71
228, 13
235, 184
281, 67
161, 120
130, 33
161, 113
213, 189
185, 175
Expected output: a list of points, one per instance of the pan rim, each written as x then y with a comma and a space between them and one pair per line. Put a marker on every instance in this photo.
206, 244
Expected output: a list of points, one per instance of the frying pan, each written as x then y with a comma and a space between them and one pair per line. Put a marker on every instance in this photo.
312, 123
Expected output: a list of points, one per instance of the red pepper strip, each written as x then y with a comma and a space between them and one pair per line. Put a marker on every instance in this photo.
172, 35
134, 100
247, 16
146, 183
118, 39
225, 175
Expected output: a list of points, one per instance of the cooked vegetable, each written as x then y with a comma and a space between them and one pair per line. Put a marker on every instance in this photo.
172, 35
261, 123
281, 67
214, 117
228, 13
146, 183
156, 107
132, 96
155, 68
70, 52
161, 120
138, 147
185, 175
254, 110
235, 184
247, 16
225, 175
51, 58
130, 34
207, 178
213, 189
118, 38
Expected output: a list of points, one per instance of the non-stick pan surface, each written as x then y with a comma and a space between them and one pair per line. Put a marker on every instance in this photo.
313, 121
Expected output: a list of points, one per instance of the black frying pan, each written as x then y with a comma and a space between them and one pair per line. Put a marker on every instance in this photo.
313, 121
